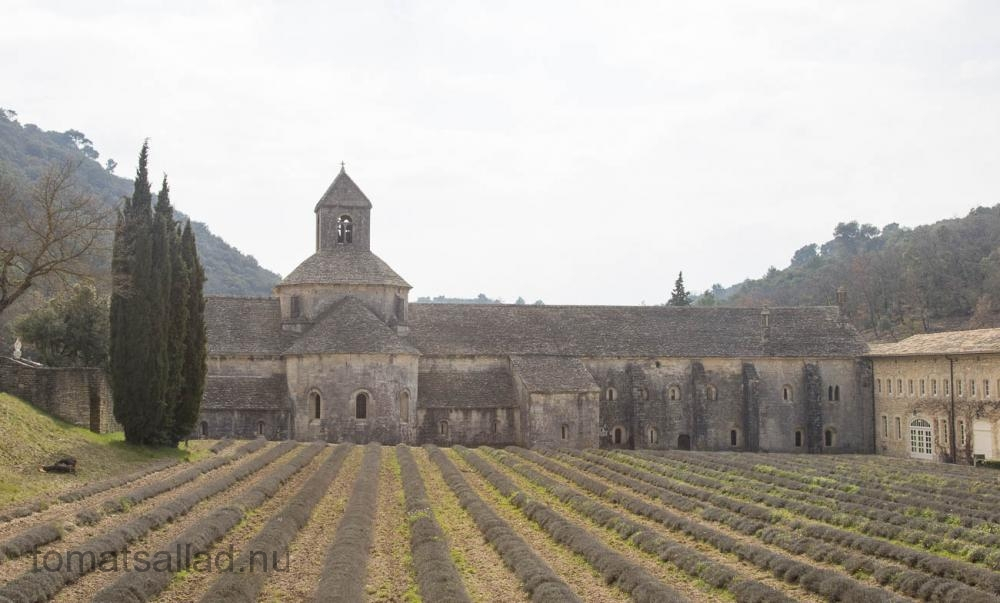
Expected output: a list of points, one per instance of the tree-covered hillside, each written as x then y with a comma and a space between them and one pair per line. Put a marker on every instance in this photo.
899, 280
27, 151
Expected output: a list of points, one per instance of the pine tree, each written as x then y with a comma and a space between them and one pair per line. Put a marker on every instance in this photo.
195, 340
679, 296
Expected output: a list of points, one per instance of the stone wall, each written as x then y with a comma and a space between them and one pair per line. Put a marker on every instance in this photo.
338, 379
80, 396
911, 391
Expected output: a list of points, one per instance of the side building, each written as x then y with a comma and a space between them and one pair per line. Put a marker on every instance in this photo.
339, 354
937, 396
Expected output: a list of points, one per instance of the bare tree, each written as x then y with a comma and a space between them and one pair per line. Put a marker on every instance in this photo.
50, 230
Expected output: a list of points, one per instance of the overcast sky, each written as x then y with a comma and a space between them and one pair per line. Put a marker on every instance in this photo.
574, 152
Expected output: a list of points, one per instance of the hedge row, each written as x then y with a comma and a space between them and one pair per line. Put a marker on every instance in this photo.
679, 554
630, 577
32, 587
86, 490
199, 537
852, 506
137, 495
40, 535
346, 562
810, 544
437, 576
821, 581
537, 578
221, 445
952, 569
249, 575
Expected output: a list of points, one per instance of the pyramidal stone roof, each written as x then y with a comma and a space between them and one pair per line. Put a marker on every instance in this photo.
344, 266
343, 192
348, 327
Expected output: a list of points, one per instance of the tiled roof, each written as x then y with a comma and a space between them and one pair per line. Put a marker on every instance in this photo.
346, 266
462, 389
624, 331
978, 341
348, 327
343, 192
553, 374
244, 325
225, 392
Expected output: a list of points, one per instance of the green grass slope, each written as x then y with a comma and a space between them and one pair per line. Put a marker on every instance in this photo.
29, 438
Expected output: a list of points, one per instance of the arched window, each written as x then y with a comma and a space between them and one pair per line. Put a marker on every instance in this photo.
204, 429
828, 437
711, 393
496, 426
610, 394
786, 393
972, 388
361, 406
260, 428
618, 435
899, 387
674, 393
734, 437
958, 388
316, 405
920, 439
836, 393
345, 229
878, 386
888, 383
404, 407
798, 439
564, 431
933, 387
443, 428
294, 306
652, 435
829, 393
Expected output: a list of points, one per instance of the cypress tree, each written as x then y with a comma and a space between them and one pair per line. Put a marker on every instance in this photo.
133, 361
169, 308
195, 340
679, 296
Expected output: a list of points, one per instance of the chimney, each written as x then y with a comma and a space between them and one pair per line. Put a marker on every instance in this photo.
842, 305
765, 325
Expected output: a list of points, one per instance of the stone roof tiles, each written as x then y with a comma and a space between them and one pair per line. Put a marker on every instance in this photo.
464, 389
629, 331
978, 341
548, 374
243, 392
244, 326
346, 266
348, 327
343, 192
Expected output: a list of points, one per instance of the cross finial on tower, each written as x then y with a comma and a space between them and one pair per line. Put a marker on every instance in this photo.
342, 166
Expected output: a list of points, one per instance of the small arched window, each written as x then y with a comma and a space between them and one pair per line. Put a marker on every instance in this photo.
878, 386
711, 393
496, 426
829, 393
260, 428
798, 439
404, 407
204, 429
316, 405
345, 230
734, 437
933, 387
786, 393
610, 394
618, 435
361, 406
564, 431
443, 428
828, 437
652, 436
674, 393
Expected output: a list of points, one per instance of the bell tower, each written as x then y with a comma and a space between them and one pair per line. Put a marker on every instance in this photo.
343, 217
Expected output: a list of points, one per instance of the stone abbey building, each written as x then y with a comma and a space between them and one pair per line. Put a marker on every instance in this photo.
340, 354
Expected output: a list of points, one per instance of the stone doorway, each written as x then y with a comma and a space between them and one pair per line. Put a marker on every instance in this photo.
684, 442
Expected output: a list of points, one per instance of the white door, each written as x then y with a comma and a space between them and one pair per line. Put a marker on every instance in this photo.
921, 443
982, 439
